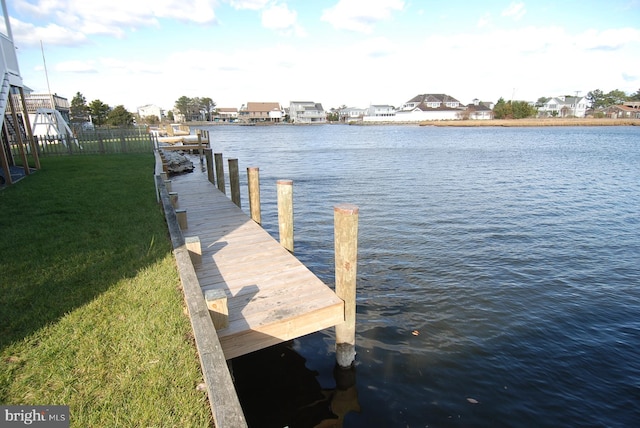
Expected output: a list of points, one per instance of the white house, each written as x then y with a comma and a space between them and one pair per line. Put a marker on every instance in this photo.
150, 110
564, 106
422, 107
479, 110
227, 114
351, 114
306, 112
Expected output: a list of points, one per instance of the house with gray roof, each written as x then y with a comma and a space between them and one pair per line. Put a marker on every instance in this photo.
306, 112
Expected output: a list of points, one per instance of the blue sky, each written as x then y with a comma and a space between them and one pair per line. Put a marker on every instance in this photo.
351, 52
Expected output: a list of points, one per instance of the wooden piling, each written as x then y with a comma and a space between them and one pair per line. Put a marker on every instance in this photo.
195, 249
217, 304
346, 261
173, 198
253, 182
285, 213
181, 215
220, 172
200, 152
208, 153
234, 181
167, 184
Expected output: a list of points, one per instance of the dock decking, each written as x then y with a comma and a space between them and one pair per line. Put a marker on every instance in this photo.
272, 297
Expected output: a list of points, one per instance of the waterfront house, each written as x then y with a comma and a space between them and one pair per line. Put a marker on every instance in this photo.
306, 112
379, 113
227, 114
150, 110
430, 107
479, 110
261, 112
564, 106
351, 114
628, 110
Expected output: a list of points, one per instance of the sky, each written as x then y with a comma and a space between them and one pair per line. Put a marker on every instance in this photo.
336, 52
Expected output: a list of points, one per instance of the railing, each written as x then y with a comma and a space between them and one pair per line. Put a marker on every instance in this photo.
94, 142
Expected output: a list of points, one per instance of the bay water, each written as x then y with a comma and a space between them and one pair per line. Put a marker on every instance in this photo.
498, 272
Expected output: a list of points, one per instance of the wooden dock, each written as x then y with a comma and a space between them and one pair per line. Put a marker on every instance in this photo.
271, 296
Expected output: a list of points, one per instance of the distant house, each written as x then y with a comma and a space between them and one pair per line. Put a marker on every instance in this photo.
260, 112
379, 113
430, 107
150, 110
227, 114
564, 106
351, 114
306, 112
628, 110
479, 110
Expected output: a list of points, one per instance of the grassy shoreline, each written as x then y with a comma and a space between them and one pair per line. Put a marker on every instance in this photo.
92, 310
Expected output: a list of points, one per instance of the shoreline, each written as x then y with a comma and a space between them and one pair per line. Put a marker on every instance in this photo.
469, 123
534, 122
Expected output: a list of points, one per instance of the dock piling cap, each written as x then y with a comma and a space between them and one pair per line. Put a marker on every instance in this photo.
348, 209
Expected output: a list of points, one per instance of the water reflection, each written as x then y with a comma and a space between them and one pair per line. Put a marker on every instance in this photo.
276, 389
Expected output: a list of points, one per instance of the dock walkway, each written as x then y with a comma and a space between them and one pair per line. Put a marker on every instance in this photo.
271, 296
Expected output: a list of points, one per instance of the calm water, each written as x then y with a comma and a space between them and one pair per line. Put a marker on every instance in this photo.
498, 277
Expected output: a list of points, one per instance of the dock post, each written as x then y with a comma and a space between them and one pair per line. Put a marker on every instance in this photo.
253, 182
195, 249
217, 304
167, 184
173, 198
234, 181
208, 153
181, 215
346, 261
198, 132
285, 213
220, 172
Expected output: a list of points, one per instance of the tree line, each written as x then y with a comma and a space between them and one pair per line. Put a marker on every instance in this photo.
98, 113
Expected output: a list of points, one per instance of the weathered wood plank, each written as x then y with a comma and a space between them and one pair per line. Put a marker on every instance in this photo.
271, 296
223, 399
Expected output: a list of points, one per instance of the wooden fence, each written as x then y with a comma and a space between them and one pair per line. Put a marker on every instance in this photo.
96, 142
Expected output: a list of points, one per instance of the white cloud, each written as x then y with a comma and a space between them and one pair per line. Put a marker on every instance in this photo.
29, 35
112, 17
484, 20
515, 11
278, 17
360, 15
248, 4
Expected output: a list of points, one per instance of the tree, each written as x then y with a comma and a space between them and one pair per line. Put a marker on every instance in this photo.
635, 97
523, 110
182, 105
99, 112
170, 116
502, 110
79, 111
119, 116
596, 98
208, 105
615, 97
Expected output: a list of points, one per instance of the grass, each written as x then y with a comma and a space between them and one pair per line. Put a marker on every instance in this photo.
91, 313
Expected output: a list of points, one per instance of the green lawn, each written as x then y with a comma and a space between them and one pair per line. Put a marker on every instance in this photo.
91, 311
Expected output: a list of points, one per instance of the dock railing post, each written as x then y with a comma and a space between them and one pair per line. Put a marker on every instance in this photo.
220, 172
346, 261
234, 181
285, 213
208, 154
253, 182
200, 153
